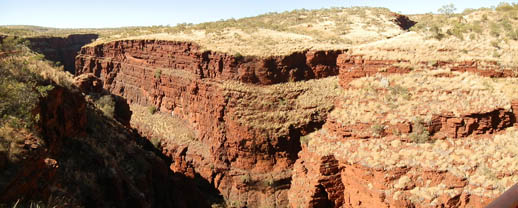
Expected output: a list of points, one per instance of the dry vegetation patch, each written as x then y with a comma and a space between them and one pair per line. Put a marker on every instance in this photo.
420, 94
482, 35
278, 33
277, 108
488, 165
163, 128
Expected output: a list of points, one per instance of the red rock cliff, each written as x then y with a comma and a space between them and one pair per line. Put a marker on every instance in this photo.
250, 166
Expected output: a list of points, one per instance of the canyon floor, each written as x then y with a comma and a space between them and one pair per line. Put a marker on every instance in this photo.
342, 107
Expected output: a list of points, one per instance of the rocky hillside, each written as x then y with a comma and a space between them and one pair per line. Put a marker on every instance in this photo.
59, 149
354, 107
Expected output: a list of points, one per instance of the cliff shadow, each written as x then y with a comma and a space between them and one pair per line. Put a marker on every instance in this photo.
61, 50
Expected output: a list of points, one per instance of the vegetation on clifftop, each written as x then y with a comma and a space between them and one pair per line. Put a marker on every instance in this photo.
24, 78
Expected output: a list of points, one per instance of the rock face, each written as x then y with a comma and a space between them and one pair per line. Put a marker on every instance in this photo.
441, 126
356, 66
189, 57
329, 176
321, 180
62, 49
403, 21
249, 166
318, 182
55, 125
80, 158
253, 167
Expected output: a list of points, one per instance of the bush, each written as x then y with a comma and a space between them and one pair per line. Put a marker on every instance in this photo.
246, 178
448, 9
156, 142
107, 105
305, 139
20, 89
378, 130
437, 32
152, 109
238, 56
506, 7
158, 73
419, 132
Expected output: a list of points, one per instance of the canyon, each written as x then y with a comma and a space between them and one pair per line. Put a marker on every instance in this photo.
255, 164
342, 107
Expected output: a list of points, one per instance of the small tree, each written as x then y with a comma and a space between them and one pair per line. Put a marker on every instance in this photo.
448, 9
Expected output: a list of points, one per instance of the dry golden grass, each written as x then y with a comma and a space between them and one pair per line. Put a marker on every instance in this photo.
165, 128
417, 48
483, 35
420, 94
489, 165
277, 108
280, 34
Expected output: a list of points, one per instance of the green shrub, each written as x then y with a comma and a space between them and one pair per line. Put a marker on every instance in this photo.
107, 105
305, 139
246, 178
397, 90
437, 32
238, 56
495, 43
44, 89
156, 142
448, 9
152, 109
494, 29
269, 182
377, 130
158, 73
506, 7
419, 132
513, 34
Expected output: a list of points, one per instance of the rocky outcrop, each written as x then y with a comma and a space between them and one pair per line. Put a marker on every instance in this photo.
323, 180
439, 127
357, 66
207, 64
316, 182
89, 83
250, 166
61, 49
56, 124
403, 21
77, 157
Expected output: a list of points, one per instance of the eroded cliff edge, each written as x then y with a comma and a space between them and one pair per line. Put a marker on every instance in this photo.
246, 131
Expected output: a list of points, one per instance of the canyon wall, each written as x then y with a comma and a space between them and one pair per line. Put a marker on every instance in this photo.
192, 58
253, 166
249, 165
61, 49
357, 66
77, 157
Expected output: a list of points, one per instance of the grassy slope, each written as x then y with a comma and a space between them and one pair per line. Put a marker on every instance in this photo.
483, 34
421, 94
487, 164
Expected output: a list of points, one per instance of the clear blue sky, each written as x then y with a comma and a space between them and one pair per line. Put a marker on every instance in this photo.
116, 13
